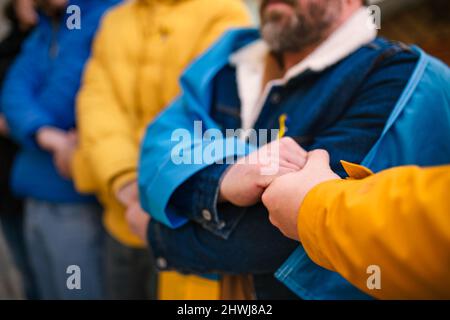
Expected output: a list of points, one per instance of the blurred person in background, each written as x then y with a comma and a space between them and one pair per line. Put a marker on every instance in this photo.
10, 279
139, 53
62, 227
317, 72
21, 17
25, 10
397, 219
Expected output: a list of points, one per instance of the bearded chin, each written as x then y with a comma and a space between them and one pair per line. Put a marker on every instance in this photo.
284, 37
271, 34
299, 31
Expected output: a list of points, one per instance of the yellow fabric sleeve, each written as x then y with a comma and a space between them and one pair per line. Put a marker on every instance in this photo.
398, 220
107, 136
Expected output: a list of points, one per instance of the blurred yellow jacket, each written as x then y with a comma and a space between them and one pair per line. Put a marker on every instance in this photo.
140, 51
396, 223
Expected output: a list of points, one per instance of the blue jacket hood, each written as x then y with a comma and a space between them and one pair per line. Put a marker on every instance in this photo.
197, 79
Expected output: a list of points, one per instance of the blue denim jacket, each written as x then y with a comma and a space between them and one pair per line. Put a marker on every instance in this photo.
406, 140
342, 109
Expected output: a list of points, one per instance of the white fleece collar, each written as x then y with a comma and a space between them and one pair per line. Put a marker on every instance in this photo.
249, 62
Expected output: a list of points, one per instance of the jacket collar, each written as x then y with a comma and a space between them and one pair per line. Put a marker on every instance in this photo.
250, 63
353, 34
197, 81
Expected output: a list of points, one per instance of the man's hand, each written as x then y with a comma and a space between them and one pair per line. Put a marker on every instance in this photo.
63, 156
61, 144
244, 182
4, 131
51, 139
26, 13
285, 194
136, 217
138, 220
128, 194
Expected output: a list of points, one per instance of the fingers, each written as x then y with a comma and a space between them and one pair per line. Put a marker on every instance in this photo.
318, 159
266, 180
293, 152
297, 160
293, 146
285, 150
62, 165
72, 138
289, 165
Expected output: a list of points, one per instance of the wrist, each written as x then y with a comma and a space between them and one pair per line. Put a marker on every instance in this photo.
221, 197
50, 139
128, 193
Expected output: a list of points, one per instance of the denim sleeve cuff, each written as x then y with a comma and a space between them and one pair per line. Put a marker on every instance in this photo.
205, 207
156, 235
165, 260
156, 245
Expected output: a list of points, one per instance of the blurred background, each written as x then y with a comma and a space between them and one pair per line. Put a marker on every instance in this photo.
422, 22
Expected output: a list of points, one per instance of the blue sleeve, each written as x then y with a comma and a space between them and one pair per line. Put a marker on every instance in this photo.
255, 246
160, 174
352, 137
197, 200
20, 95
173, 134
37, 95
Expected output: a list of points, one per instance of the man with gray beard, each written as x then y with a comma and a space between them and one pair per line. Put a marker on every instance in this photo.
317, 72
311, 23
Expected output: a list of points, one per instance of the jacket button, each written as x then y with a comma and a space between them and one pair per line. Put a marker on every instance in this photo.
161, 263
206, 214
275, 98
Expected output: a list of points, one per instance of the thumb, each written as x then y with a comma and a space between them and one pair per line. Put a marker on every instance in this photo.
319, 159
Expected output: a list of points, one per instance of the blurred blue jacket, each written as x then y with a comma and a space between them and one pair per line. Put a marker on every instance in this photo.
40, 90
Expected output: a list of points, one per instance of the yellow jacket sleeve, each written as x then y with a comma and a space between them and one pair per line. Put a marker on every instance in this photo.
107, 136
397, 220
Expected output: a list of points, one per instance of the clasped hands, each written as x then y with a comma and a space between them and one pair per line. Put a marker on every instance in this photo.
280, 174
61, 144
136, 217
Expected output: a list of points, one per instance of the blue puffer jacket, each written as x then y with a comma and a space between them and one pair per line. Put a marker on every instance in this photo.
40, 90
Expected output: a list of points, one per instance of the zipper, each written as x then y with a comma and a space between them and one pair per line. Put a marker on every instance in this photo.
54, 45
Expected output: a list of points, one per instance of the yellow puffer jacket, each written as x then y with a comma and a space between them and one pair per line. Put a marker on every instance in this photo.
139, 52
397, 220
